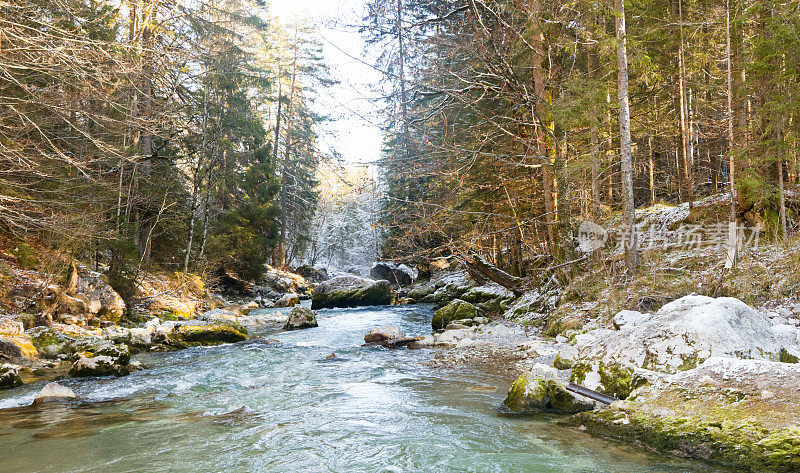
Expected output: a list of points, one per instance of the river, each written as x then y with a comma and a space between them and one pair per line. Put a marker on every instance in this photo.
281, 406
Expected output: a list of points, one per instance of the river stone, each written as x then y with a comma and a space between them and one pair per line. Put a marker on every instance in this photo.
90, 347
382, 334
97, 366
53, 392
456, 310
351, 291
287, 300
9, 376
300, 318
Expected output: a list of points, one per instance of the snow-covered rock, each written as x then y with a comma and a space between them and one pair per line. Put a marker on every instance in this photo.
685, 333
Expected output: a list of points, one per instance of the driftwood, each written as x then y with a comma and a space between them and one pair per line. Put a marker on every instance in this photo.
480, 269
395, 342
591, 394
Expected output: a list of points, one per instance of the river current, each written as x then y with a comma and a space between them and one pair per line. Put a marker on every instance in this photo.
277, 404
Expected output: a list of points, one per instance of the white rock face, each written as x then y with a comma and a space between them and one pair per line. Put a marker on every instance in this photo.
629, 318
54, 392
685, 333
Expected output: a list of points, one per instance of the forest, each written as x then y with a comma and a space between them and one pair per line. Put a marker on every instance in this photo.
512, 121
148, 134
400, 235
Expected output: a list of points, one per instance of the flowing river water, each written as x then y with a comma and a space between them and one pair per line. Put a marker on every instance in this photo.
281, 406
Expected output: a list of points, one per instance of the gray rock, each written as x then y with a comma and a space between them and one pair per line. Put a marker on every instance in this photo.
397, 275
382, 334
300, 318
54, 392
97, 366
351, 291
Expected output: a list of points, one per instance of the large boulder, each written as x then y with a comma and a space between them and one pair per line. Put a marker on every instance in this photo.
400, 275
382, 334
210, 333
218, 315
9, 376
455, 310
54, 392
101, 300
312, 274
300, 318
686, 332
351, 291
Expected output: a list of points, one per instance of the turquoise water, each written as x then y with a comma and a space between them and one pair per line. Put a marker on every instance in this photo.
278, 405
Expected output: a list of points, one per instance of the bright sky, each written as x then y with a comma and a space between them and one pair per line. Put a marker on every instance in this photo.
353, 131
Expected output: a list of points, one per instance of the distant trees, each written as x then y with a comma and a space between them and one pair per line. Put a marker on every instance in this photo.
141, 133
517, 122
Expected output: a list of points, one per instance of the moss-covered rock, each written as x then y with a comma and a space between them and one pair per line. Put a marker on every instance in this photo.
90, 347
50, 343
420, 291
351, 291
730, 442
288, 300
100, 365
212, 334
530, 393
610, 379
300, 318
455, 310
527, 395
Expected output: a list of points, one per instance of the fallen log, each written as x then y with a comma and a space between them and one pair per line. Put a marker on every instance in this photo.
395, 342
590, 393
480, 269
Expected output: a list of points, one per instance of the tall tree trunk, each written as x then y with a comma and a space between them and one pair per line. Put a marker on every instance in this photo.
595, 144
284, 194
684, 114
730, 259
629, 217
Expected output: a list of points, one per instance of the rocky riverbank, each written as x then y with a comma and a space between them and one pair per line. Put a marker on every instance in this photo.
702, 377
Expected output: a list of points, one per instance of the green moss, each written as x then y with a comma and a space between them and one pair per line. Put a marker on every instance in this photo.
26, 256
562, 363
456, 310
175, 315
786, 357
578, 373
199, 335
563, 401
51, 344
525, 395
561, 324
731, 442
619, 381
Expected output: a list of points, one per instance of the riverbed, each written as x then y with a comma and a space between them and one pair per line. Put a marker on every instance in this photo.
281, 403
